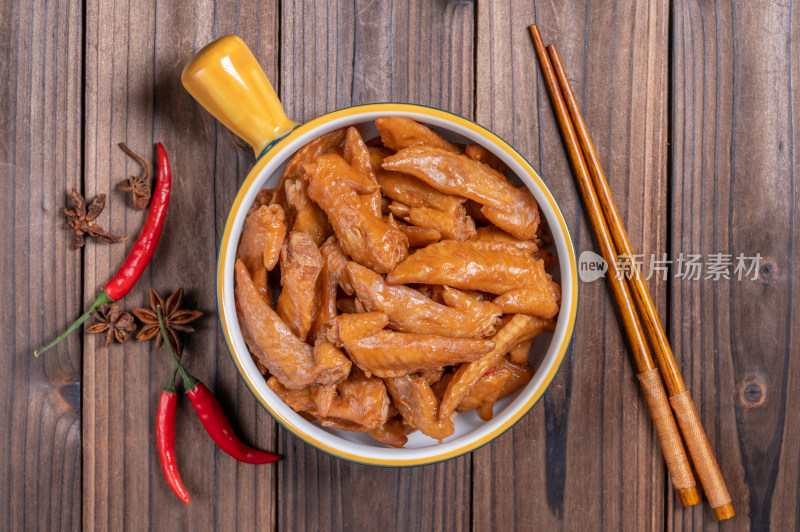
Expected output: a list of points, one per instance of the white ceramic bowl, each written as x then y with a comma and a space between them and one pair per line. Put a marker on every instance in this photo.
470, 431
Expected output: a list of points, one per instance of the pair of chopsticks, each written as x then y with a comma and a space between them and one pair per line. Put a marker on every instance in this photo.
611, 238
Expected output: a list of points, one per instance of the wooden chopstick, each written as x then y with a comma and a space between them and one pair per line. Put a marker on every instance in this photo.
656, 399
704, 462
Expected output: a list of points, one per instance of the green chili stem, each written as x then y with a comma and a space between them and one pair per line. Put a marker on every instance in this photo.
102, 299
188, 380
170, 387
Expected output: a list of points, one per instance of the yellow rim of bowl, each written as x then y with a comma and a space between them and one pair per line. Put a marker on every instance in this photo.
389, 108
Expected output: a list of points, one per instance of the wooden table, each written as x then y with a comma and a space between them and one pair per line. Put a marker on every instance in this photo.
692, 108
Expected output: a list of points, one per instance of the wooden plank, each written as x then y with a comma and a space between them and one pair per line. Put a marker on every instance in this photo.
40, 161
735, 192
133, 93
587, 452
385, 56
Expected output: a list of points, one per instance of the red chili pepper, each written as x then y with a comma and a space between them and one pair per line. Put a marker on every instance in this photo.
165, 439
213, 416
146, 244
140, 255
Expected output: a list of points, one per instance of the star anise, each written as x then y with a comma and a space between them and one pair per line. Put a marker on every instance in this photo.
175, 319
138, 186
111, 320
81, 218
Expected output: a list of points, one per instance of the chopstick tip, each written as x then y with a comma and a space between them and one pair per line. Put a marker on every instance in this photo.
688, 496
724, 512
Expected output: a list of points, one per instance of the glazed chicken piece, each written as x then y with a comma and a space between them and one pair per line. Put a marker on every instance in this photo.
410, 311
453, 224
425, 408
330, 364
320, 145
419, 237
505, 379
399, 389
441, 386
301, 263
264, 197
262, 237
541, 297
377, 154
326, 290
392, 354
275, 348
426, 206
432, 376
338, 150
248, 339
495, 238
517, 219
518, 329
356, 326
323, 395
474, 212
390, 220
349, 305
361, 399
476, 152
357, 155
512, 209
421, 205
546, 256
462, 298
358, 399
287, 357
295, 167
485, 392
436, 292
431, 291
335, 186
398, 210
304, 215
521, 352
398, 133
418, 406
337, 260
392, 433
521, 374
385, 205
301, 400
466, 265
260, 244
414, 192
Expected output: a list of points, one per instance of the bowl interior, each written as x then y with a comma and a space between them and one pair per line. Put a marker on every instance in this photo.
470, 431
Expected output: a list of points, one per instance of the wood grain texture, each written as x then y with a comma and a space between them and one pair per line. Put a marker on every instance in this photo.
133, 93
336, 54
76, 78
588, 448
734, 138
40, 273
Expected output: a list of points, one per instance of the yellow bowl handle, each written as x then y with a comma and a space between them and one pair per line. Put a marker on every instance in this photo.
225, 78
